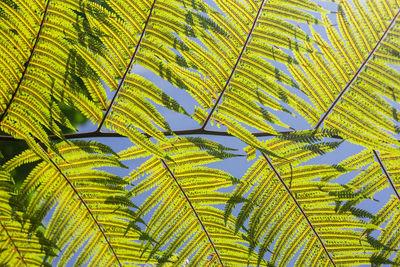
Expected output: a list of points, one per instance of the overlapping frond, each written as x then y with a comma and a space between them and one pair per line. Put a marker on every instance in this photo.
183, 196
147, 34
349, 78
389, 238
291, 210
20, 245
380, 171
42, 69
89, 208
251, 86
354, 73
249, 65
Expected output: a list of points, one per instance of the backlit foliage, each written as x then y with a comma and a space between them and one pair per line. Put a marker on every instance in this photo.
309, 89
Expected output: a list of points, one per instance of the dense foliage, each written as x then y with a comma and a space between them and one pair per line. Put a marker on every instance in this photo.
294, 80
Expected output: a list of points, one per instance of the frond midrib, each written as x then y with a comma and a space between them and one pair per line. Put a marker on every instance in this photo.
386, 173
194, 211
228, 81
359, 70
84, 204
13, 244
271, 165
27, 63
128, 68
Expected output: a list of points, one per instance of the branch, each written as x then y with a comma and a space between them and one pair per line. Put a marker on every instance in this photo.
386, 174
26, 63
234, 67
84, 204
355, 76
12, 241
128, 69
271, 165
200, 131
194, 211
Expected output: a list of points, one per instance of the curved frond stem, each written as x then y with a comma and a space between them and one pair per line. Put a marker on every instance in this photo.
235, 66
95, 134
84, 204
194, 211
355, 76
13, 243
384, 170
128, 68
27, 62
271, 165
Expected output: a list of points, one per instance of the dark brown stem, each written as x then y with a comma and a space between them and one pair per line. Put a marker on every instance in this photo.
95, 134
194, 211
12, 241
26, 63
84, 204
387, 174
355, 76
128, 69
271, 165
235, 66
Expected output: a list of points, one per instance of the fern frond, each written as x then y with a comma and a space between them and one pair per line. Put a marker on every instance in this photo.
50, 57
250, 72
288, 212
252, 68
182, 193
343, 86
21, 245
84, 202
